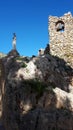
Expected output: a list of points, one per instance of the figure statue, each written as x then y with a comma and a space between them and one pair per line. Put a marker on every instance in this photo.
14, 41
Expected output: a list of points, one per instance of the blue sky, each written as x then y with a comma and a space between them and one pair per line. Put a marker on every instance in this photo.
29, 20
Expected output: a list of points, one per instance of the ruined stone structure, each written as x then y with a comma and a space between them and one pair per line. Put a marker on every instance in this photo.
61, 37
41, 52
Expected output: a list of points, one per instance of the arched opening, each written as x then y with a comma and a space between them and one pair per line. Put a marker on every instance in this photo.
60, 26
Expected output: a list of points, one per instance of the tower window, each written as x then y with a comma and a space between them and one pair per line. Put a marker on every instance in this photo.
60, 26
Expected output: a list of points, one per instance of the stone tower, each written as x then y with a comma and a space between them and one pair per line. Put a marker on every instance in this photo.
61, 37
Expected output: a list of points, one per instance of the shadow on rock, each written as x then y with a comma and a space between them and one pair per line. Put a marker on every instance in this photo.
55, 71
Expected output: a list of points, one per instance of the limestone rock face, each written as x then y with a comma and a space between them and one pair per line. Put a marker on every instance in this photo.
38, 91
13, 53
2, 84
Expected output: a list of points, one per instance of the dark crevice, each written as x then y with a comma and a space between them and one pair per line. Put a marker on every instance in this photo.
37, 121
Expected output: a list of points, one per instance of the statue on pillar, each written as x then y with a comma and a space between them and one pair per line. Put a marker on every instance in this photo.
14, 41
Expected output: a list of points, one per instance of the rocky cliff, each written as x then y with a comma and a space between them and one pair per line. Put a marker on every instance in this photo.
38, 93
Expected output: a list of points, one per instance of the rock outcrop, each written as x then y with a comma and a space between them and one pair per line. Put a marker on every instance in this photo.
38, 93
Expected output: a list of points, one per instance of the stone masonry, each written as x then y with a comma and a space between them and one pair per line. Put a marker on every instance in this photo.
61, 37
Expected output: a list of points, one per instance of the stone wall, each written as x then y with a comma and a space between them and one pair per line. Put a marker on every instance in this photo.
61, 37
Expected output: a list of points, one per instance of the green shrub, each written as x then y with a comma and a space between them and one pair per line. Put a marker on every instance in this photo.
23, 65
36, 86
19, 58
